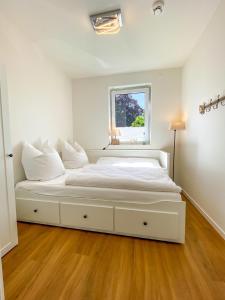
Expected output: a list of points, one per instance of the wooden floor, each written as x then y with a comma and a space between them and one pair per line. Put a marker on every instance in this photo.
53, 263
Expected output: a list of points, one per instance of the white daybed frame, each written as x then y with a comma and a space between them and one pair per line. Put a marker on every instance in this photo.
162, 156
161, 219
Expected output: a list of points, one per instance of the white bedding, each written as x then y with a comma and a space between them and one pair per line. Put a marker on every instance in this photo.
123, 177
149, 189
56, 190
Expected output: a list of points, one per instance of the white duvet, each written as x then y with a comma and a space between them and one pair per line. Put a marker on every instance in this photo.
115, 177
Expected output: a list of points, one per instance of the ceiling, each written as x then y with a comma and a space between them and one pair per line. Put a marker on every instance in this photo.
61, 28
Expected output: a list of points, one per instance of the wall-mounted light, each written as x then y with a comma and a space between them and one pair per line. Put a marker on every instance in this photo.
107, 22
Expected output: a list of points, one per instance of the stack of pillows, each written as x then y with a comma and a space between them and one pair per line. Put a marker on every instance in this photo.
43, 162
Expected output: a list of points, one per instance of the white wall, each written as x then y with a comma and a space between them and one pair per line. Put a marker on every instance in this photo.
91, 106
40, 96
202, 156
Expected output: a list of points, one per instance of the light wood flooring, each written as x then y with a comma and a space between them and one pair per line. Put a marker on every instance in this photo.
53, 263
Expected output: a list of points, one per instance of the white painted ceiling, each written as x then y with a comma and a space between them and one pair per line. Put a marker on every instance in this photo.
61, 28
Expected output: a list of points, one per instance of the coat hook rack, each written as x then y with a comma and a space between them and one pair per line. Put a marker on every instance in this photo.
206, 107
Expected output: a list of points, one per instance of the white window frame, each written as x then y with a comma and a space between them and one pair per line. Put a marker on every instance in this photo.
146, 89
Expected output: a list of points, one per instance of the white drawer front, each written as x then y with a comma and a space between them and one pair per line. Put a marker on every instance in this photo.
37, 211
149, 223
87, 216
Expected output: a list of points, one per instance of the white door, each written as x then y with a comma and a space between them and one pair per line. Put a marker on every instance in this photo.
8, 227
1, 282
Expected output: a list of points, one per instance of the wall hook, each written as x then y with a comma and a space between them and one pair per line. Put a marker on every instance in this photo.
216, 105
206, 107
223, 102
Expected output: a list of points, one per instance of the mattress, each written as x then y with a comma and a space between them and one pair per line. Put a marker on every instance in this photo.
56, 190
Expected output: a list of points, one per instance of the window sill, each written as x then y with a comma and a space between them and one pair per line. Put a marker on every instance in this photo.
129, 147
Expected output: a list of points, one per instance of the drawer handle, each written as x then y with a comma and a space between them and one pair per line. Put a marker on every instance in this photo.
145, 223
85, 216
35, 210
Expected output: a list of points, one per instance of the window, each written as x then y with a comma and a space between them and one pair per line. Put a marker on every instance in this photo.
130, 115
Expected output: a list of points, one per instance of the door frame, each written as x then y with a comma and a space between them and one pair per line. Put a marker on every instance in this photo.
2, 297
8, 163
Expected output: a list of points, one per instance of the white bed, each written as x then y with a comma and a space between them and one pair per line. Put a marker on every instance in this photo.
147, 214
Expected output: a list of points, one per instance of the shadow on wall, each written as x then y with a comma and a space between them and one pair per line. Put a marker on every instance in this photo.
183, 152
19, 174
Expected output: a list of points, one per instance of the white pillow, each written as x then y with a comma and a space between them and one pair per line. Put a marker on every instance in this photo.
45, 146
73, 156
41, 165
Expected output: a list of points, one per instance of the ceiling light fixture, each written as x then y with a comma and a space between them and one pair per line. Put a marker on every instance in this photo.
107, 22
158, 7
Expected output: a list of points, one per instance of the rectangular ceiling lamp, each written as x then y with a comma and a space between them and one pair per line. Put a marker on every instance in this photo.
107, 23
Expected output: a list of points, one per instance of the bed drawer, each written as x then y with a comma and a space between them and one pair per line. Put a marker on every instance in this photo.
155, 224
87, 216
37, 211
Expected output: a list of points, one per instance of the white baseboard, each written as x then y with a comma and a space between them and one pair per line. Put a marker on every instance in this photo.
205, 215
7, 248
